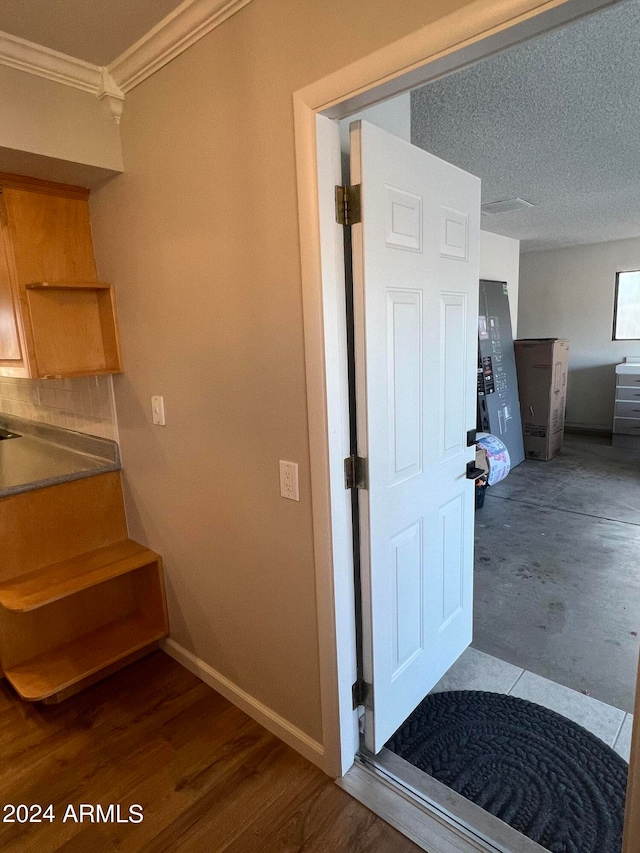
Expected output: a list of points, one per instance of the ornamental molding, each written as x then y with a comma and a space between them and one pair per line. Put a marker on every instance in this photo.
182, 28
174, 34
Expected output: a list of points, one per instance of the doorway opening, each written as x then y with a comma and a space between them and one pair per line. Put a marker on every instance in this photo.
546, 537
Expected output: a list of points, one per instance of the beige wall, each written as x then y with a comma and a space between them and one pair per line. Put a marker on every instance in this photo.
200, 237
54, 131
569, 293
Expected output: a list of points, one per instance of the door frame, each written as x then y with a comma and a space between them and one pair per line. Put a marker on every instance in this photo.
451, 43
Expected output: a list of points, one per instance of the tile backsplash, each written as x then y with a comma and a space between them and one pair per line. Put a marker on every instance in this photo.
83, 403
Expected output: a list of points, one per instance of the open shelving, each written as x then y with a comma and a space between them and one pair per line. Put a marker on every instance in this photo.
63, 625
53, 672
74, 328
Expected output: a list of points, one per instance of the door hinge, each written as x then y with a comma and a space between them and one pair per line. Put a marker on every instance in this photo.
356, 475
348, 205
362, 694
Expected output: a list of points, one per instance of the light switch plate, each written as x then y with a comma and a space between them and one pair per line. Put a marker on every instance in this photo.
289, 487
157, 410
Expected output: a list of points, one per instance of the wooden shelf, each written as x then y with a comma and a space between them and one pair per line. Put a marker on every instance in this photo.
69, 374
36, 589
74, 328
57, 670
78, 598
68, 285
57, 319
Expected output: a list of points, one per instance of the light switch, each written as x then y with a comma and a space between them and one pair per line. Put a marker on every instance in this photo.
157, 410
289, 480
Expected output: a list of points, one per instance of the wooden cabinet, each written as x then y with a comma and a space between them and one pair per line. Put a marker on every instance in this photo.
56, 318
78, 598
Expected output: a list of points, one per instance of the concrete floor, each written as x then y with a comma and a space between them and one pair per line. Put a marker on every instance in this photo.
557, 578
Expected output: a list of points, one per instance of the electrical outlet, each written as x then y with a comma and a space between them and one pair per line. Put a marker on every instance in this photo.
157, 410
289, 487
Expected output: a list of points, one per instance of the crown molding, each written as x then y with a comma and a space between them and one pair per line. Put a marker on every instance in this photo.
51, 64
183, 27
186, 25
110, 94
61, 68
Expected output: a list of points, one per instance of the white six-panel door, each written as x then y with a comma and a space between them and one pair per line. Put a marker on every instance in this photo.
416, 271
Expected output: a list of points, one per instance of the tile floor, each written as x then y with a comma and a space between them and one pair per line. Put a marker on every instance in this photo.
476, 670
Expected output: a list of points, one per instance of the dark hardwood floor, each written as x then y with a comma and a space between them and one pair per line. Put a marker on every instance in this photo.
207, 776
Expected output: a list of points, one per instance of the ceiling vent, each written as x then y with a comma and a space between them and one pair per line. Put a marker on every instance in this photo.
505, 205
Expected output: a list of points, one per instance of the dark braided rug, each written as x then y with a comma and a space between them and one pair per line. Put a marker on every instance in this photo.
541, 773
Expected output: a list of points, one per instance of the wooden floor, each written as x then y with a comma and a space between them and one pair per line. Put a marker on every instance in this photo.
209, 778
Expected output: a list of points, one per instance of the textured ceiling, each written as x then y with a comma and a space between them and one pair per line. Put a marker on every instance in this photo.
555, 121
97, 31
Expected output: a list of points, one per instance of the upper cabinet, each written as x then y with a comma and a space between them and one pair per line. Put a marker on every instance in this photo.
56, 318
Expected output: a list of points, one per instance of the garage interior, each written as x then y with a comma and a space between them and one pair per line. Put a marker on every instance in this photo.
557, 589
557, 595
553, 121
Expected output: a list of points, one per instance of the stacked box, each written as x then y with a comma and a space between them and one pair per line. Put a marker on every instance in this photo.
542, 365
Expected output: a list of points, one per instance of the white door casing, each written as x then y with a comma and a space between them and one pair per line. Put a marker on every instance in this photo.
416, 272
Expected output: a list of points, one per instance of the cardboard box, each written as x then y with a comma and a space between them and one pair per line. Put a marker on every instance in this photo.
542, 365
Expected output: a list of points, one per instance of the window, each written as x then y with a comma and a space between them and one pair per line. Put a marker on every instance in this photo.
626, 313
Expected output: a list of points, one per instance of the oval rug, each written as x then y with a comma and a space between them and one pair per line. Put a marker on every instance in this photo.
539, 772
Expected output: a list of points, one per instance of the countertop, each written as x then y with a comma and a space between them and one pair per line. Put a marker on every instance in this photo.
46, 455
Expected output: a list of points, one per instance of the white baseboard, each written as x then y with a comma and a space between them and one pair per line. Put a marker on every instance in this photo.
277, 725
